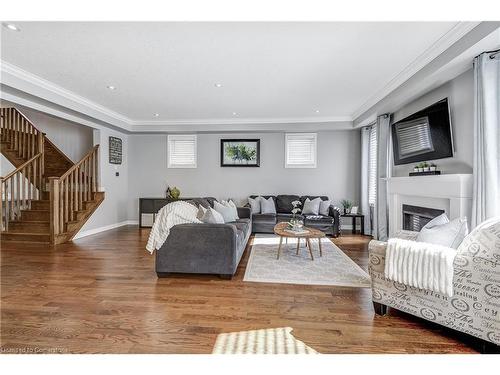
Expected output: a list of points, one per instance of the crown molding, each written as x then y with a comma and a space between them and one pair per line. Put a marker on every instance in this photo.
243, 121
20, 79
453, 35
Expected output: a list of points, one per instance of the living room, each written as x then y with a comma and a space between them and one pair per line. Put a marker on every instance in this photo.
238, 188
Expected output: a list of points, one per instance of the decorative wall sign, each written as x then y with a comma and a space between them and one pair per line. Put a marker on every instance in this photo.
115, 150
240, 152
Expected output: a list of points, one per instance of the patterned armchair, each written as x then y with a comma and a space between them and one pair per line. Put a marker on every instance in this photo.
474, 308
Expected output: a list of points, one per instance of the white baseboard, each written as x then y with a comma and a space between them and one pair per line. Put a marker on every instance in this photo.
91, 232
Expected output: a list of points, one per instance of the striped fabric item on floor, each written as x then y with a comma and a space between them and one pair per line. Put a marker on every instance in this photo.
261, 341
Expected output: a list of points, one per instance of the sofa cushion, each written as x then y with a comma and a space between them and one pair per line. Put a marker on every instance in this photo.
284, 203
318, 219
264, 218
287, 217
242, 224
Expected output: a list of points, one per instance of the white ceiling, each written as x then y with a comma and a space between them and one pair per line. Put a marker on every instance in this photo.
270, 72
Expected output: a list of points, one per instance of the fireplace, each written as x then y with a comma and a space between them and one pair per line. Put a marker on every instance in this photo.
415, 217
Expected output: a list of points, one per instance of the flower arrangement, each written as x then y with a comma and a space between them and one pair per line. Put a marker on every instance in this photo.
295, 223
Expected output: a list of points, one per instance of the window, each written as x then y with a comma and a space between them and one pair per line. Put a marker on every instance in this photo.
181, 151
372, 166
300, 150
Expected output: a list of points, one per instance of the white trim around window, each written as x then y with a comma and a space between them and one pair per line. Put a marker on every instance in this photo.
182, 151
300, 150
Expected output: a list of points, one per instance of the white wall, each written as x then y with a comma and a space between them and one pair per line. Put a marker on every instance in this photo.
113, 211
460, 93
337, 173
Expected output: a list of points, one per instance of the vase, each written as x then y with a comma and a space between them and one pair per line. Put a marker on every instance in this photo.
296, 224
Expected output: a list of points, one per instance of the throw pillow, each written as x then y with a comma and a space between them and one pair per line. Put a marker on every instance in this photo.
201, 212
324, 207
231, 205
311, 207
212, 217
255, 205
267, 205
449, 234
438, 220
228, 213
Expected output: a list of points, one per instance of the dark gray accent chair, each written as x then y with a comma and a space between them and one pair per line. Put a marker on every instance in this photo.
205, 248
264, 223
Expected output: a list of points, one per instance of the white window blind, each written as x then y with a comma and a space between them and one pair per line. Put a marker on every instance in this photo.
300, 150
372, 167
182, 151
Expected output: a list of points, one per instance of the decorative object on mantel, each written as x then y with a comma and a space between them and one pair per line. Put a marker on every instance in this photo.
173, 193
115, 150
347, 204
425, 169
240, 152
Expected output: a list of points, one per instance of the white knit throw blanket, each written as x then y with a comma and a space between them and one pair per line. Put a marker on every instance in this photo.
172, 214
420, 265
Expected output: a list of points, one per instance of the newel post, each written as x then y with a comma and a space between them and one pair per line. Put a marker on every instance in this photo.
54, 207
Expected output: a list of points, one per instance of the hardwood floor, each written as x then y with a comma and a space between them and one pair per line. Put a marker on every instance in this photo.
100, 294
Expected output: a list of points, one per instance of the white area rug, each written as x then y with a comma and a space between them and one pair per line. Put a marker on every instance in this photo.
261, 341
333, 268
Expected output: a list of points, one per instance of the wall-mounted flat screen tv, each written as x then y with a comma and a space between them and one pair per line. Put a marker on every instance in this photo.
425, 135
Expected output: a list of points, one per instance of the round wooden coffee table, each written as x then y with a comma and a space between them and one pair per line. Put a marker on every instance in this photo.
280, 229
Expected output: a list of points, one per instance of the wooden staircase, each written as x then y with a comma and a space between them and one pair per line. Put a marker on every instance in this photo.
47, 198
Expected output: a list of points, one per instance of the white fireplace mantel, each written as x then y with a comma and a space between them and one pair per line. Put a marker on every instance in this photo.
450, 192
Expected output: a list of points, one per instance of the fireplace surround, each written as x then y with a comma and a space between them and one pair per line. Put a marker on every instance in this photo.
448, 193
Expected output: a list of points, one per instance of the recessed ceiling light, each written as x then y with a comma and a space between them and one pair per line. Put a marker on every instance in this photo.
317, 111
156, 115
11, 26
110, 87
218, 85
234, 113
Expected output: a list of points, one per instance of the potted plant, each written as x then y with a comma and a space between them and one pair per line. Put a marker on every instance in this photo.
432, 167
416, 168
347, 204
426, 167
173, 193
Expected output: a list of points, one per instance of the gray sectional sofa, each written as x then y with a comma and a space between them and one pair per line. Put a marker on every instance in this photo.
205, 248
264, 223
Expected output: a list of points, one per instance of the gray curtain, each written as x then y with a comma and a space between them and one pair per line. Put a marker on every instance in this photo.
365, 160
486, 161
381, 207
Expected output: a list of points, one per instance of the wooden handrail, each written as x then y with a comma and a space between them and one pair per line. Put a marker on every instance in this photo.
70, 193
25, 117
22, 166
87, 155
